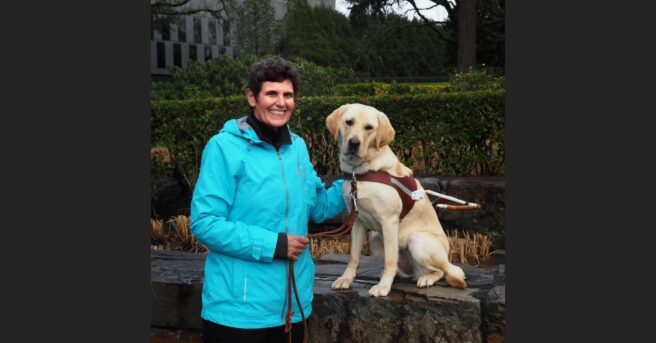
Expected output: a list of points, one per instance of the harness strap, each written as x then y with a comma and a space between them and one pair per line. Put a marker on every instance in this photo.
405, 186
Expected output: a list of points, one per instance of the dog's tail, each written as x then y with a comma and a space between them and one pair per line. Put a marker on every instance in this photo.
455, 276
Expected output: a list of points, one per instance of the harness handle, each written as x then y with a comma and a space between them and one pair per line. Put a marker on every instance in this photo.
458, 207
464, 205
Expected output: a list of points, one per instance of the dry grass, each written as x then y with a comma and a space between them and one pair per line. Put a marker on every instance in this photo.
175, 236
161, 155
467, 248
323, 246
157, 229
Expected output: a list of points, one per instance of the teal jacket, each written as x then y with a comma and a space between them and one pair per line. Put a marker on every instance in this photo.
246, 193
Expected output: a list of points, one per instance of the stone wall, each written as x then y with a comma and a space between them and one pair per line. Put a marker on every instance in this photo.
437, 314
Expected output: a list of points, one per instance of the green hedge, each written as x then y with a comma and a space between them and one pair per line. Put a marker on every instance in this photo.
379, 88
442, 133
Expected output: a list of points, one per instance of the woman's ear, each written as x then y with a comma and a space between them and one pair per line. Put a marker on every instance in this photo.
251, 97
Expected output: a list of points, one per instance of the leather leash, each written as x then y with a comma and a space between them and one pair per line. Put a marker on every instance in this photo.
342, 230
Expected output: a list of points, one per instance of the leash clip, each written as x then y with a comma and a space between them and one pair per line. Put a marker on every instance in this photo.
353, 194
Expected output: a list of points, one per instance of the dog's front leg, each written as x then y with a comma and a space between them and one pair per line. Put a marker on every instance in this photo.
391, 249
357, 240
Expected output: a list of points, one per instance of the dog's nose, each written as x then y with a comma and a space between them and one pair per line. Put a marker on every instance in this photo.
354, 143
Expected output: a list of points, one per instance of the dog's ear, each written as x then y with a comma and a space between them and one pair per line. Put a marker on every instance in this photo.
385, 133
332, 121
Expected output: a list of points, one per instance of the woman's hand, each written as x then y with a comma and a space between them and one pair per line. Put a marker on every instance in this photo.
296, 246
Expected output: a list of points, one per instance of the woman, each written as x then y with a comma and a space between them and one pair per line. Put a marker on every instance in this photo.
255, 194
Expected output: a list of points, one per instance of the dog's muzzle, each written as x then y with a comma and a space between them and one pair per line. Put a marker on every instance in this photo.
353, 145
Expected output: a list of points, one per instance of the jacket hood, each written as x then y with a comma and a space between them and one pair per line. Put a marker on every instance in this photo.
241, 128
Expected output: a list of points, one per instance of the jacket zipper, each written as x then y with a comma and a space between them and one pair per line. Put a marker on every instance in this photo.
284, 182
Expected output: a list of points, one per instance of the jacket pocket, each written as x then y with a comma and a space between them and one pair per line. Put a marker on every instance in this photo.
239, 281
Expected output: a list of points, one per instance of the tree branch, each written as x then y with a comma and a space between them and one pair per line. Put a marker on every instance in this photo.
429, 21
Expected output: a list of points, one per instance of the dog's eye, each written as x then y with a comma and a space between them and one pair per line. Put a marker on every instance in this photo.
369, 127
349, 122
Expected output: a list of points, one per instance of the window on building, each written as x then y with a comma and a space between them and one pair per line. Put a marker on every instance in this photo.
197, 31
161, 55
192, 53
208, 53
212, 28
166, 33
177, 55
226, 33
182, 30
222, 50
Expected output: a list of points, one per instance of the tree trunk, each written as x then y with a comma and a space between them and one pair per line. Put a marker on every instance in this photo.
466, 35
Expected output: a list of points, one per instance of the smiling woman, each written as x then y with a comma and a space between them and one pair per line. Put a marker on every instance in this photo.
256, 193
274, 104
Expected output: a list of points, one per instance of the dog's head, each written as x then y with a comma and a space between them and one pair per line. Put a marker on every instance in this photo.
358, 128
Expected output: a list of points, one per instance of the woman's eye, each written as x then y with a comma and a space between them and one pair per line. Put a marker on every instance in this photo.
349, 122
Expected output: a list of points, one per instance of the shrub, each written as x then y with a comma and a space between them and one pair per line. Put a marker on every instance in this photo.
474, 80
379, 88
222, 76
227, 76
443, 133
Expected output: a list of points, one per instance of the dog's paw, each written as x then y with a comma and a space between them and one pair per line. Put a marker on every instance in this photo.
425, 281
342, 283
380, 290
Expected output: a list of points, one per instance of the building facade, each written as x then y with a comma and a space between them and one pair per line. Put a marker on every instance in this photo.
201, 37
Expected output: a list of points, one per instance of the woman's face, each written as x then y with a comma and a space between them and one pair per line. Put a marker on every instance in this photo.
274, 104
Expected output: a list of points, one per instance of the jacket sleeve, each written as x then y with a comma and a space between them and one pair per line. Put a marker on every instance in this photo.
328, 202
210, 205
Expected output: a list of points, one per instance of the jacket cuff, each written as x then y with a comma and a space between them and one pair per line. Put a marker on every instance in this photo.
281, 246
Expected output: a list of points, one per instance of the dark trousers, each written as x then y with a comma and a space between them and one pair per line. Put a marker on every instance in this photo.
216, 333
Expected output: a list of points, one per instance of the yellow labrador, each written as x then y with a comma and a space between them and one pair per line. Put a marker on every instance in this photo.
414, 246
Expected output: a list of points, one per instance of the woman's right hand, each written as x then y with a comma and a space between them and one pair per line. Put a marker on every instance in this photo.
296, 246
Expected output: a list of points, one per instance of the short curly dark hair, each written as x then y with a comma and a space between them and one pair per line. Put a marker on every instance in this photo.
272, 69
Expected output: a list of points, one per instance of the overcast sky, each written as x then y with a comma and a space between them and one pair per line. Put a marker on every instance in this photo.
437, 13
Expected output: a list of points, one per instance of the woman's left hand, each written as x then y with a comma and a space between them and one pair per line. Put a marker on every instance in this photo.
295, 246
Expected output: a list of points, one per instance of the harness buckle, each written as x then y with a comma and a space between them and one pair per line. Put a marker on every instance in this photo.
418, 194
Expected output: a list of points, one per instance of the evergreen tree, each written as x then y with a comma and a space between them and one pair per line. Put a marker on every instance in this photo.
375, 46
473, 31
256, 28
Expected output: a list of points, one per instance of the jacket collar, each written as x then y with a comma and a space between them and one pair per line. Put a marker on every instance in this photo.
266, 134
241, 128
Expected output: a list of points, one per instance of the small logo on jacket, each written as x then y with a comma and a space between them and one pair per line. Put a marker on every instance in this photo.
300, 171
